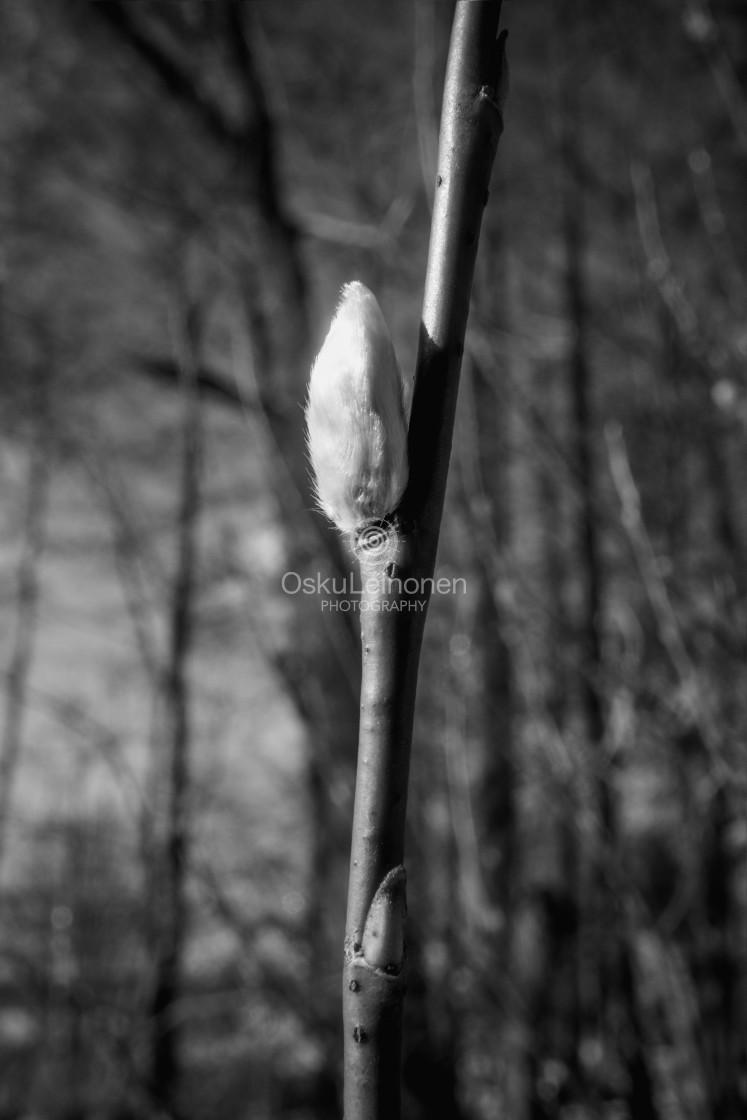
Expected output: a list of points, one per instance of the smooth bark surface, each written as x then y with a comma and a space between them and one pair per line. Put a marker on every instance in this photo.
396, 572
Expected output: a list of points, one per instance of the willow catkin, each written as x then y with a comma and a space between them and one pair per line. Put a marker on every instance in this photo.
355, 416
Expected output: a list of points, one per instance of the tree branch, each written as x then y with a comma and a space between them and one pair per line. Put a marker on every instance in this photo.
401, 554
208, 383
702, 28
698, 704
178, 81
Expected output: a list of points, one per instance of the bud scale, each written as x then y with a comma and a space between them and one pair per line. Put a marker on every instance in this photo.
355, 415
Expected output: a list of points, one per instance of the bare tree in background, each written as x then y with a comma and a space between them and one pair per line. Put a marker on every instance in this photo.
170, 826
40, 465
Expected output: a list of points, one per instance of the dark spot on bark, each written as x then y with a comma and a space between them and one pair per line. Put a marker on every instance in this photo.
439, 180
354, 986
359, 1035
356, 946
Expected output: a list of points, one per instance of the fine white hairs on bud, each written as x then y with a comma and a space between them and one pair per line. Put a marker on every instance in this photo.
355, 416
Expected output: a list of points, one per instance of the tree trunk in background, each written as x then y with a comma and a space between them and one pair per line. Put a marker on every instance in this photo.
486, 487
615, 975
41, 454
275, 275
715, 944
491, 706
35, 388
171, 824
723, 1013
433, 1023
276, 308
261, 243
557, 1001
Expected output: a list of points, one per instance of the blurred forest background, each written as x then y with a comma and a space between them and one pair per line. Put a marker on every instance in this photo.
185, 187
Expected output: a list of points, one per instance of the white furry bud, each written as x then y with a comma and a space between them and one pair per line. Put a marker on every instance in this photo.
355, 415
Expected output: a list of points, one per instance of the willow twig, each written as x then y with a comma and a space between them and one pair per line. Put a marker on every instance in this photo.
397, 573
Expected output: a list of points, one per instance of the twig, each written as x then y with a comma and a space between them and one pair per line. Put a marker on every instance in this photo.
716, 226
669, 631
709, 355
397, 576
703, 29
183, 85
